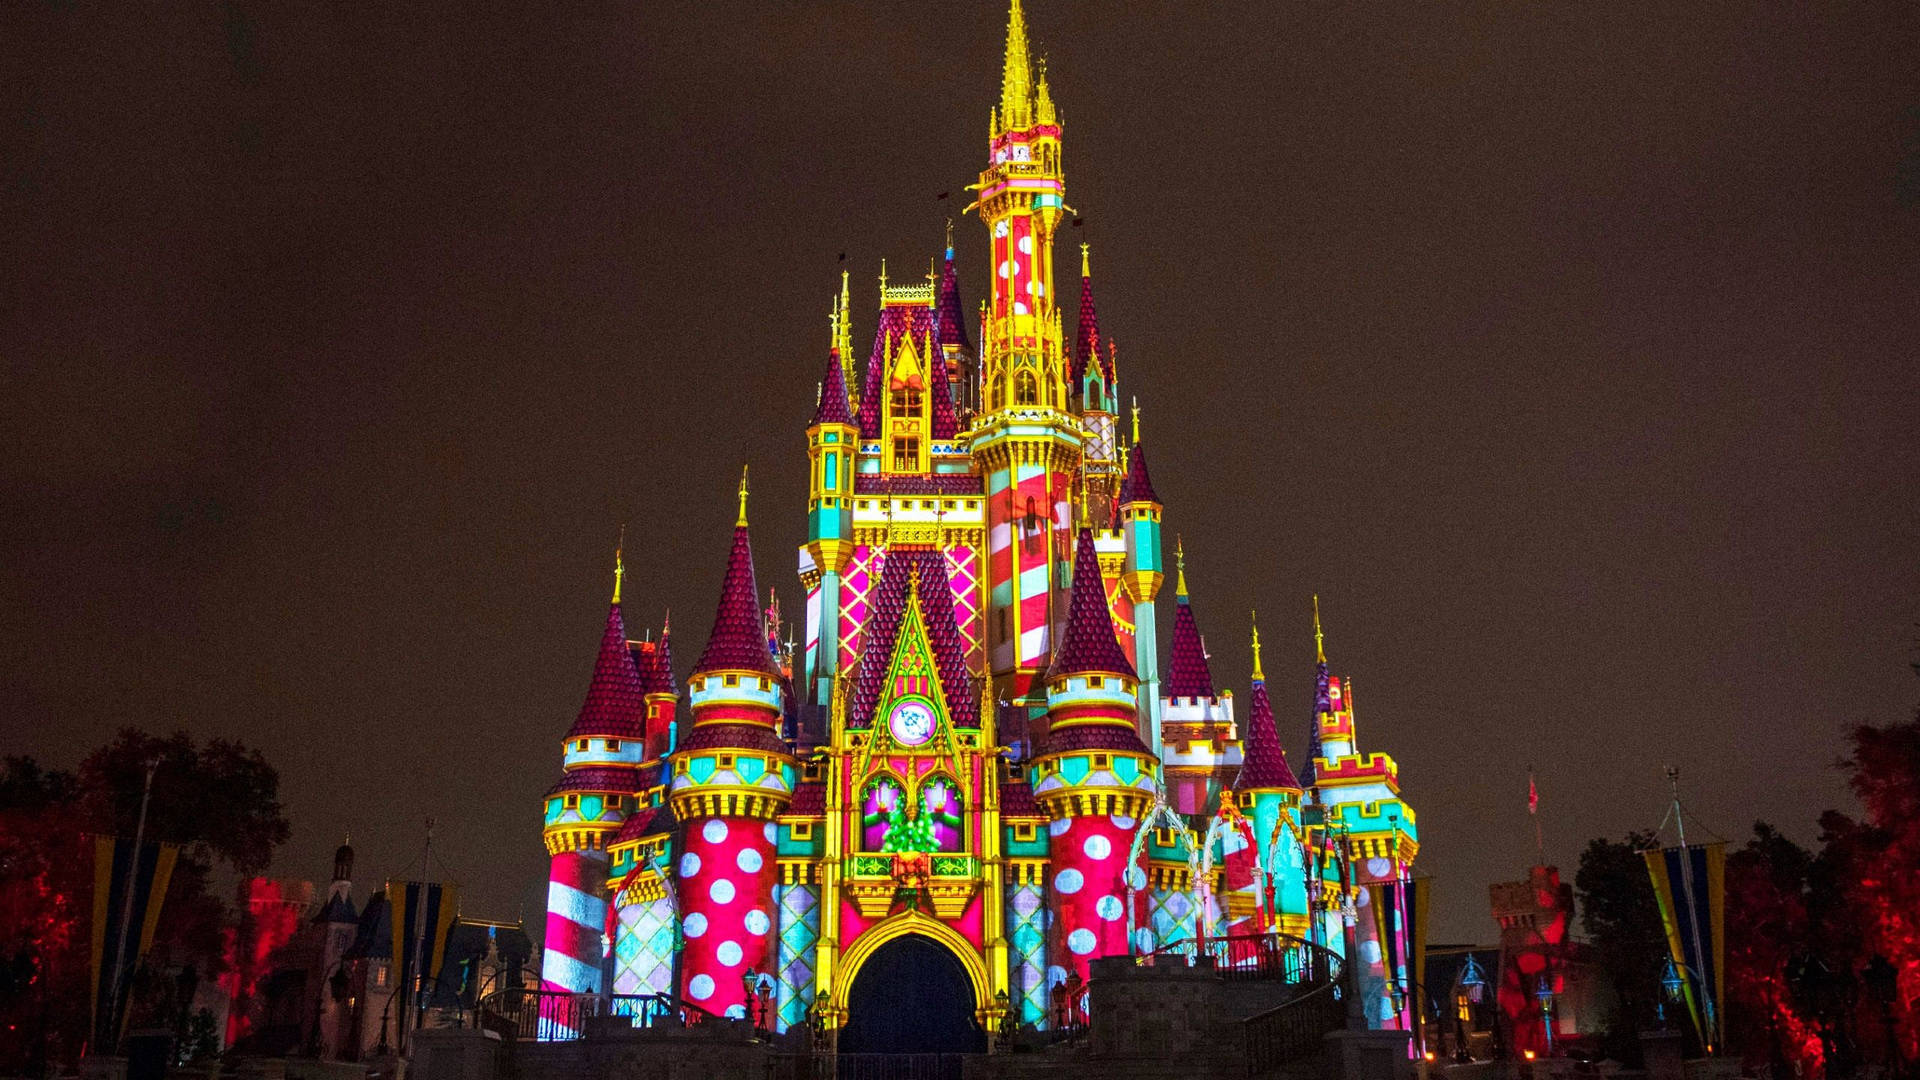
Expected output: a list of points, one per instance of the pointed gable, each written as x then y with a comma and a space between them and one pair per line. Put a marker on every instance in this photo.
615, 706
1088, 643
942, 635
897, 322
738, 641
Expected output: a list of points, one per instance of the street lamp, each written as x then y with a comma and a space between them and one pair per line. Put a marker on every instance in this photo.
1543, 990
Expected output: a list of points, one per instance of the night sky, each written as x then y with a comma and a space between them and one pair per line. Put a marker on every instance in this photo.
1566, 350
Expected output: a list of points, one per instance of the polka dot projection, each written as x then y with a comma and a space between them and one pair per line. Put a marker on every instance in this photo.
726, 888
1089, 861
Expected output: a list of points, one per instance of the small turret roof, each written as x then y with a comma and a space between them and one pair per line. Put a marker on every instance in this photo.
952, 315
1264, 765
615, 706
1189, 675
1088, 644
1086, 339
833, 407
1137, 487
739, 640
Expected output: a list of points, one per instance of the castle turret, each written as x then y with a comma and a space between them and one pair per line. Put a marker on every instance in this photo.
585, 809
732, 775
832, 443
1199, 743
1095, 778
1268, 794
1095, 396
1025, 443
1138, 519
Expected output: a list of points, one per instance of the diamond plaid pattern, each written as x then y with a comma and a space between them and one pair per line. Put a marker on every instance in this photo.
643, 953
1027, 933
799, 933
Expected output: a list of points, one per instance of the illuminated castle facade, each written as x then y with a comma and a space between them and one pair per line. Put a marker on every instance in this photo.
977, 747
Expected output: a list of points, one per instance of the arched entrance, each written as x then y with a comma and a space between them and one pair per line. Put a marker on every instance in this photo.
911, 996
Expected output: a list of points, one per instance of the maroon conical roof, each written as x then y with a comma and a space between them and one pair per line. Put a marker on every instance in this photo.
1137, 487
655, 664
1264, 764
1086, 340
1189, 675
739, 640
616, 705
1088, 644
833, 407
952, 316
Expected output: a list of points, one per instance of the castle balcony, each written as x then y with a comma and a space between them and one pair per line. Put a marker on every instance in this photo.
946, 881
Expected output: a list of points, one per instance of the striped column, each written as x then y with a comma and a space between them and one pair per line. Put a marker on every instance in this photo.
1027, 525
726, 879
576, 921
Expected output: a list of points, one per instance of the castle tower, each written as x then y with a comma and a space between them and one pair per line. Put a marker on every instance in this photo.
732, 775
586, 808
832, 443
1199, 744
950, 333
1025, 444
1095, 396
1269, 794
1095, 779
1139, 523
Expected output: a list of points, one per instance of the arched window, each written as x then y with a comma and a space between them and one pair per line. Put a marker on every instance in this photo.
1026, 389
940, 807
882, 806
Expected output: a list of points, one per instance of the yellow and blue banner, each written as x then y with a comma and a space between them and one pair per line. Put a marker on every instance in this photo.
118, 869
414, 904
1690, 884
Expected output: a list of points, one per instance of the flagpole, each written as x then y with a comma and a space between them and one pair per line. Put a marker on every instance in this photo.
1693, 913
126, 909
420, 929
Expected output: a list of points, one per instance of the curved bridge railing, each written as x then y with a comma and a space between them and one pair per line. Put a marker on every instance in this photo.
1271, 956
530, 1015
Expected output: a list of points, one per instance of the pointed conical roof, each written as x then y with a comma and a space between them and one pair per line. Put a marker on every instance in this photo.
833, 407
1086, 340
1137, 487
616, 704
1016, 79
951, 314
1088, 643
1189, 675
945, 422
1265, 764
739, 640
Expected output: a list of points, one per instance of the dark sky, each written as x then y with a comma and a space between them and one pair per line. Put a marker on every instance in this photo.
1566, 350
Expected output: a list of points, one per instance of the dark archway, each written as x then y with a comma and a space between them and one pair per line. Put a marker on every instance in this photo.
911, 997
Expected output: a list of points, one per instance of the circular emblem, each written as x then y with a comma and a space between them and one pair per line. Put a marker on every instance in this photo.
911, 723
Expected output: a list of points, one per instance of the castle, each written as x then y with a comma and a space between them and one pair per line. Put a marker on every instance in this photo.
976, 765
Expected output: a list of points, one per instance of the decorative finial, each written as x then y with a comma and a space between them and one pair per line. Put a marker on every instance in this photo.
1085, 271
1319, 639
1136, 418
619, 568
949, 238
1253, 617
1180, 566
742, 520
883, 281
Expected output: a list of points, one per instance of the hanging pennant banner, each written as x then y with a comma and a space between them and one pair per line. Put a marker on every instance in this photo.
1690, 885
115, 871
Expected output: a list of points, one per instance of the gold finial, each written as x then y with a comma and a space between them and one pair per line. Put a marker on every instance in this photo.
949, 237
619, 568
883, 281
1319, 639
742, 520
1253, 617
1136, 419
1180, 566
1084, 249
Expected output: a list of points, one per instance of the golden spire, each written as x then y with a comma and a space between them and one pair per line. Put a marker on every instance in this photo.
619, 568
1179, 561
1319, 639
1043, 109
843, 342
1016, 81
1136, 419
1084, 249
1253, 617
883, 281
742, 520
949, 236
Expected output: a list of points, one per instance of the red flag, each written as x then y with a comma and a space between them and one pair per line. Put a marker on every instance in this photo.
1533, 795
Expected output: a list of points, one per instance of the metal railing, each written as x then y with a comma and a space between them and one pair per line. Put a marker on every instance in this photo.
523, 1014
1272, 956
1293, 1030
867, 1066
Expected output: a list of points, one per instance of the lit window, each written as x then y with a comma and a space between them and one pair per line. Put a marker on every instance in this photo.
1026, 390
906, 454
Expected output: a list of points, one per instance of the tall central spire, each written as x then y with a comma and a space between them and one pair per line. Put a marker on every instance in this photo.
1016, 82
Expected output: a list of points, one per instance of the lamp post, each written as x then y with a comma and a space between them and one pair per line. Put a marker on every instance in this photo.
1473, 981
1543, 990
